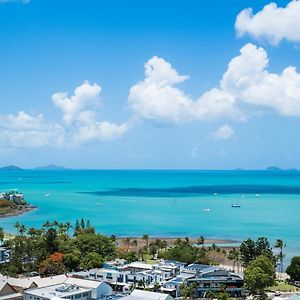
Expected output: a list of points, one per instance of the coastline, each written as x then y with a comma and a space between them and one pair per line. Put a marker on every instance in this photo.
223, 243
18, 211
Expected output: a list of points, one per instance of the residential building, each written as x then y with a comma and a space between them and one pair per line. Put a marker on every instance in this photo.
145, 295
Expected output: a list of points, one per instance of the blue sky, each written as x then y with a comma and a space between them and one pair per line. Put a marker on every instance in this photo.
124, 118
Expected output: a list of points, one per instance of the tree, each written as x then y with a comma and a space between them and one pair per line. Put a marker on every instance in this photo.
92, 260
188, 291
201, 240
82, 224
247, 250
280, 256
146, 239
294, 269
234, 256
259, 275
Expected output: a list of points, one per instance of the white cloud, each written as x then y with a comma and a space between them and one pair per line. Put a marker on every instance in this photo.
80, 123
272, 23
102, 131
158, 98
246, 81
225, 132
23, 130
86, 97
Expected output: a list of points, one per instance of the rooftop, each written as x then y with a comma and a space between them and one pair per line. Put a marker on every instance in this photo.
58, 290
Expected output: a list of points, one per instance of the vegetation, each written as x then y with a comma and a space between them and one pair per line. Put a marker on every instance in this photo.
250, 250
279, 244
12, 203
294, 269
184, 252
51, 250
259, 275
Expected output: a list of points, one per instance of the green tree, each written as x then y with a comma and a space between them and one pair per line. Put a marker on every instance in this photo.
294, 269
248, 252
279, 244
201, 241
234, 256
146, 239
92, 260
259, 275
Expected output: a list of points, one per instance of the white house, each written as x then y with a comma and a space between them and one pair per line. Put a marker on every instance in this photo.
99, 289
63, 291
145, 295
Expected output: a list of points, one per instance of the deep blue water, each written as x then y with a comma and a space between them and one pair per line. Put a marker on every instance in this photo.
165, 203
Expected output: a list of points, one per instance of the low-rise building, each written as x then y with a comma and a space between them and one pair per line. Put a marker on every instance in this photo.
145, 295
62, 291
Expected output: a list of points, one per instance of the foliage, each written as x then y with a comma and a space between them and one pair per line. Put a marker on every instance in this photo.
185, 252
250, 250
188, 291
259, 275
91, 260
51, 250
294, 269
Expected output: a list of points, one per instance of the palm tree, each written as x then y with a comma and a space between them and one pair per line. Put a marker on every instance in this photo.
201, 240
146, 239
280, 245
234, 256
127, 241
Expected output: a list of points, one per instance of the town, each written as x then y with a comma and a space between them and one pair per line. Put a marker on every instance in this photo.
49, 263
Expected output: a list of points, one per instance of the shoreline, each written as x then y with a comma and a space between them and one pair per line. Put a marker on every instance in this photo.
16, 212
223, 243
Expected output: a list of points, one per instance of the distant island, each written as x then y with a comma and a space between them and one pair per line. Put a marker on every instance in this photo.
13, 204
51, 167
10, 168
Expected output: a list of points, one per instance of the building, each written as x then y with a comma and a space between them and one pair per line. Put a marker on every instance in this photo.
215, 279
145, 295
138, 267
4, 255
7, 292
62, 291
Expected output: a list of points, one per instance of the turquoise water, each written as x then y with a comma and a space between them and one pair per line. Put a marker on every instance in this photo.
165, 203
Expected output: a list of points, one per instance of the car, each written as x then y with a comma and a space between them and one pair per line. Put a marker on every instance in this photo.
277, 293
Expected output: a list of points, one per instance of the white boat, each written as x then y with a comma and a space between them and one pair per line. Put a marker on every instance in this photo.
206, 209
47, 195
98, 204
257, 195
235, 205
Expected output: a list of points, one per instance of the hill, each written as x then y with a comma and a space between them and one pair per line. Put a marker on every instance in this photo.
51, 167
10, 168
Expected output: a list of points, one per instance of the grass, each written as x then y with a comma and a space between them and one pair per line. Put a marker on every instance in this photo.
284, 287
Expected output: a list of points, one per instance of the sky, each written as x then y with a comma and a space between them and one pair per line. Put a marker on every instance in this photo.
116, 84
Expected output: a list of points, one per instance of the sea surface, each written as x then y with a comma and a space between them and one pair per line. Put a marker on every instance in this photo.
165, 203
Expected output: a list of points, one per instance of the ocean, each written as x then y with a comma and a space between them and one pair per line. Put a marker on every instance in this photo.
165, 203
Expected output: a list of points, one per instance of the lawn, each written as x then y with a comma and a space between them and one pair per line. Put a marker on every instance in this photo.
284, 287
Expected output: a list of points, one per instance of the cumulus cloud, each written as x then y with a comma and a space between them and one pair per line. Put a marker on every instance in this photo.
158, 98
102, 131
272, 23
76, 107
79, 126
225, 132
248, 79
246, 82
24, 130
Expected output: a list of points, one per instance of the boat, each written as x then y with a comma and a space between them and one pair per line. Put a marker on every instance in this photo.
206, 209
98, 204
235, 205
47, 195
174, 203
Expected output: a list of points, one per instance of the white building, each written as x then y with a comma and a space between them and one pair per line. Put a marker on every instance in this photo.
145, 295
63, 291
